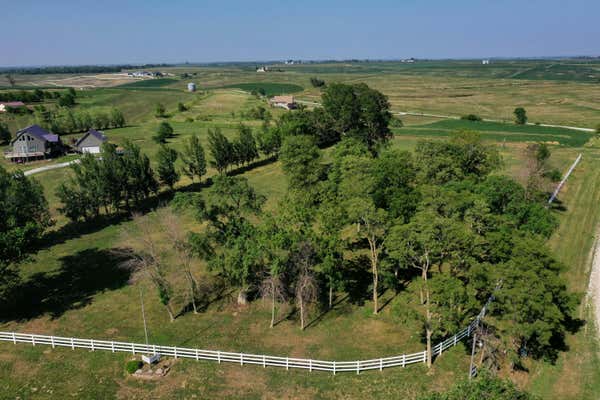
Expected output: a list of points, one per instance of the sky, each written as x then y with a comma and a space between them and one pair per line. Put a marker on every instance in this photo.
82, 32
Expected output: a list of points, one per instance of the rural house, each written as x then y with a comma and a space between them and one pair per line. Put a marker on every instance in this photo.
286, 102
33, 143
7, 106
91, 142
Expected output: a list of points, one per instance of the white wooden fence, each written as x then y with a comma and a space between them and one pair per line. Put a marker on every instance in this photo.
242, 358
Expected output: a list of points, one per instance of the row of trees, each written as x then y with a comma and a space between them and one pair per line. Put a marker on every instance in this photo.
112, 183
33, 96
228, 153
121, 181
64, 120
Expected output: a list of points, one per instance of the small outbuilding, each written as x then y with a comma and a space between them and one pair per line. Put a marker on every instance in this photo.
91, 142
11, 105
286, 102
191, 87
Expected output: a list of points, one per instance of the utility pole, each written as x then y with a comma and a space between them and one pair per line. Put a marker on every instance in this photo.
144, 315
564, 179
471, 365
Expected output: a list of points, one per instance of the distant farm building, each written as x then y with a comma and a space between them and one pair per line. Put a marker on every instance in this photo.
91, 142
485, 62
11, 105
191, 87
286, 102
262, 69
33, 143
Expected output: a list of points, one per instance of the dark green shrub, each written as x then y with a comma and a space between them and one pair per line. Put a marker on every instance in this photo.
396, 123
471, 117
133, 366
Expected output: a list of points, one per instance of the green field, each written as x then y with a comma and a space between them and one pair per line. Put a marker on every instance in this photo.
500, 132
269, 88
148, 84
76, 289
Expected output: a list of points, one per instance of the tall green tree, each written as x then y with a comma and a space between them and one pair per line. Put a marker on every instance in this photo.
167, 173
300, 158
5, 135
193, 157
164, 131
520, 116
24, 217
221, 150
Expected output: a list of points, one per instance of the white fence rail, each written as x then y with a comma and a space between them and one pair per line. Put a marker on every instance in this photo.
242, 358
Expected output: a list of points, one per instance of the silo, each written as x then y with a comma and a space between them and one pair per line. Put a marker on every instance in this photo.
191, 87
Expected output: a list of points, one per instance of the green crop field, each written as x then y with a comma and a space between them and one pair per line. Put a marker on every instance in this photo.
76, 288
500, 132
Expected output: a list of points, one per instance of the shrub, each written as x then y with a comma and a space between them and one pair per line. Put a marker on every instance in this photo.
554, 175
181, 107
471, 117
133, 366
396, 123
189, 119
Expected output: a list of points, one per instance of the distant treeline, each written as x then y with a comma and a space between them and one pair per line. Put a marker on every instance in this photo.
25, 96
64, 120
75, 69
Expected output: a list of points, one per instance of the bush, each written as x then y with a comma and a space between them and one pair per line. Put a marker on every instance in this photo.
181, 107
471, 117
316, 82
133, 366
554, 175
396, 123
189, 119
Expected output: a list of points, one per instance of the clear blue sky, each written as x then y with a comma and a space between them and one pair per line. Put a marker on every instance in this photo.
51, 32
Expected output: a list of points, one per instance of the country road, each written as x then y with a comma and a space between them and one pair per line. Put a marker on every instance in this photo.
422, 114
593, 292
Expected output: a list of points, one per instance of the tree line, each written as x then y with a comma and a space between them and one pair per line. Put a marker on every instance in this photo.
29, 96
76, 69
63, 120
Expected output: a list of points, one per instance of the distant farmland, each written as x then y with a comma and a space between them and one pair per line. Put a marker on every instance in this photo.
499, 131
270, 88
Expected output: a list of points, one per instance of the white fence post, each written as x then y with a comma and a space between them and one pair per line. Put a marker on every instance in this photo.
112, 346
310, 365
334, 367
403, 360
242, 359
14, 338
92, 342
264, 361
52, 341
219, 357
72, 344
381, 364
175, 352
132, 349
197, 358
357, 367
32, 340
287, 363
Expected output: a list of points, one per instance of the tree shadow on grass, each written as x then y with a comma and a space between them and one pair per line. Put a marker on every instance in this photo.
80, 277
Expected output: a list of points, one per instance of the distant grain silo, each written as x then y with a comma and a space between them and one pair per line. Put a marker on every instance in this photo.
191, 87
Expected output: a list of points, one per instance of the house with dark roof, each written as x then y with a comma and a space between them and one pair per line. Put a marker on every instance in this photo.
90, 142
33, 143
